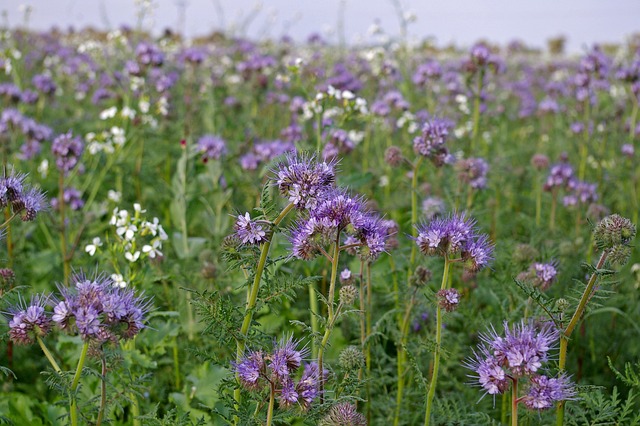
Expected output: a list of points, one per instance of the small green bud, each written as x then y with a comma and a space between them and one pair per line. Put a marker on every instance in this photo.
351, 358
562, 305
613, 230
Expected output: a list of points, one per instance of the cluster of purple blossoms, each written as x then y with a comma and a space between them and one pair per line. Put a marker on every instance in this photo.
100, 311
335, 213
23, 199
559, 176
428, 71
257, 370
71, 197
67, 150
34, 133
541, 275
338, 142
520, 353
580, 192
455, 235
29, 321
473, 171
148, 54
448, 299
250, 231
265, 151
44, 84
94, 308
431, 141
302, 180
212, 147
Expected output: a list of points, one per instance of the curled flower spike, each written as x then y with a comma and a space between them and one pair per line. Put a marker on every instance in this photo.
343, 414
29, 321
544, 392
455, 235
302, 179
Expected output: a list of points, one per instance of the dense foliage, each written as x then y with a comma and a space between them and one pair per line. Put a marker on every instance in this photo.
225, 231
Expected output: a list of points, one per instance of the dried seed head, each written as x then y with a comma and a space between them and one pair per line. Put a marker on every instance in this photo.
421, 276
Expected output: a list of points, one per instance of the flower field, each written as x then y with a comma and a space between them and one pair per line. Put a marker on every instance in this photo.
230, 231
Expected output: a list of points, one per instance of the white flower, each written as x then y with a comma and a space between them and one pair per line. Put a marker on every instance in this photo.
108, 113
114, 196
153, 250
128, 112
127, 232
43, 168
132, 257
91, 248
118, 280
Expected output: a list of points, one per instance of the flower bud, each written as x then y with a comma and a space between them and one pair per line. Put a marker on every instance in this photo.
420, 277
393, 156
619, 255
612, 231
348, 294
562, 305
351, 358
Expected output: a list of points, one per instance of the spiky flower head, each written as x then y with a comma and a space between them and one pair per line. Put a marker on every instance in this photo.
348, 295
614, 230
302, 179
455, 235
544, 392
393, 156
343, 414
100, 311
431, 141
473, 171
29, 321
351, 358
251, 371
519, 353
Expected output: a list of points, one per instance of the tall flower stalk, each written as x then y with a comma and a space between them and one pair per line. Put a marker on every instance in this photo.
613, 236
455, 239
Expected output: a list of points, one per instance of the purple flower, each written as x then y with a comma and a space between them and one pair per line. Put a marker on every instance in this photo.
29, 321
338, 143
559, 176
23, 199
473, 171
544, 392
448, 299
455, 235
490, 375
303, 179
102, 312
431, 142
250, 370
249, 231
44, 84
67, 150
627, 149
212, 147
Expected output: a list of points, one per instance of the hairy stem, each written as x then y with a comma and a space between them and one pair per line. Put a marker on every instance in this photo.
73, 409
436, 354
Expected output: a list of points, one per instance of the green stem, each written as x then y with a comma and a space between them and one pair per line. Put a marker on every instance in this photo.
103, 391
272, 398
514, 403
313, 304
63, 231
634, 117
476, 111
585, 142
402, 358
414, 212
52, 361
176, 363
564, 337
436, 354
252, 297
331, 314
73, 409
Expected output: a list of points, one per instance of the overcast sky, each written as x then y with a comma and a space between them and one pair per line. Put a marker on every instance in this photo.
583, 22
